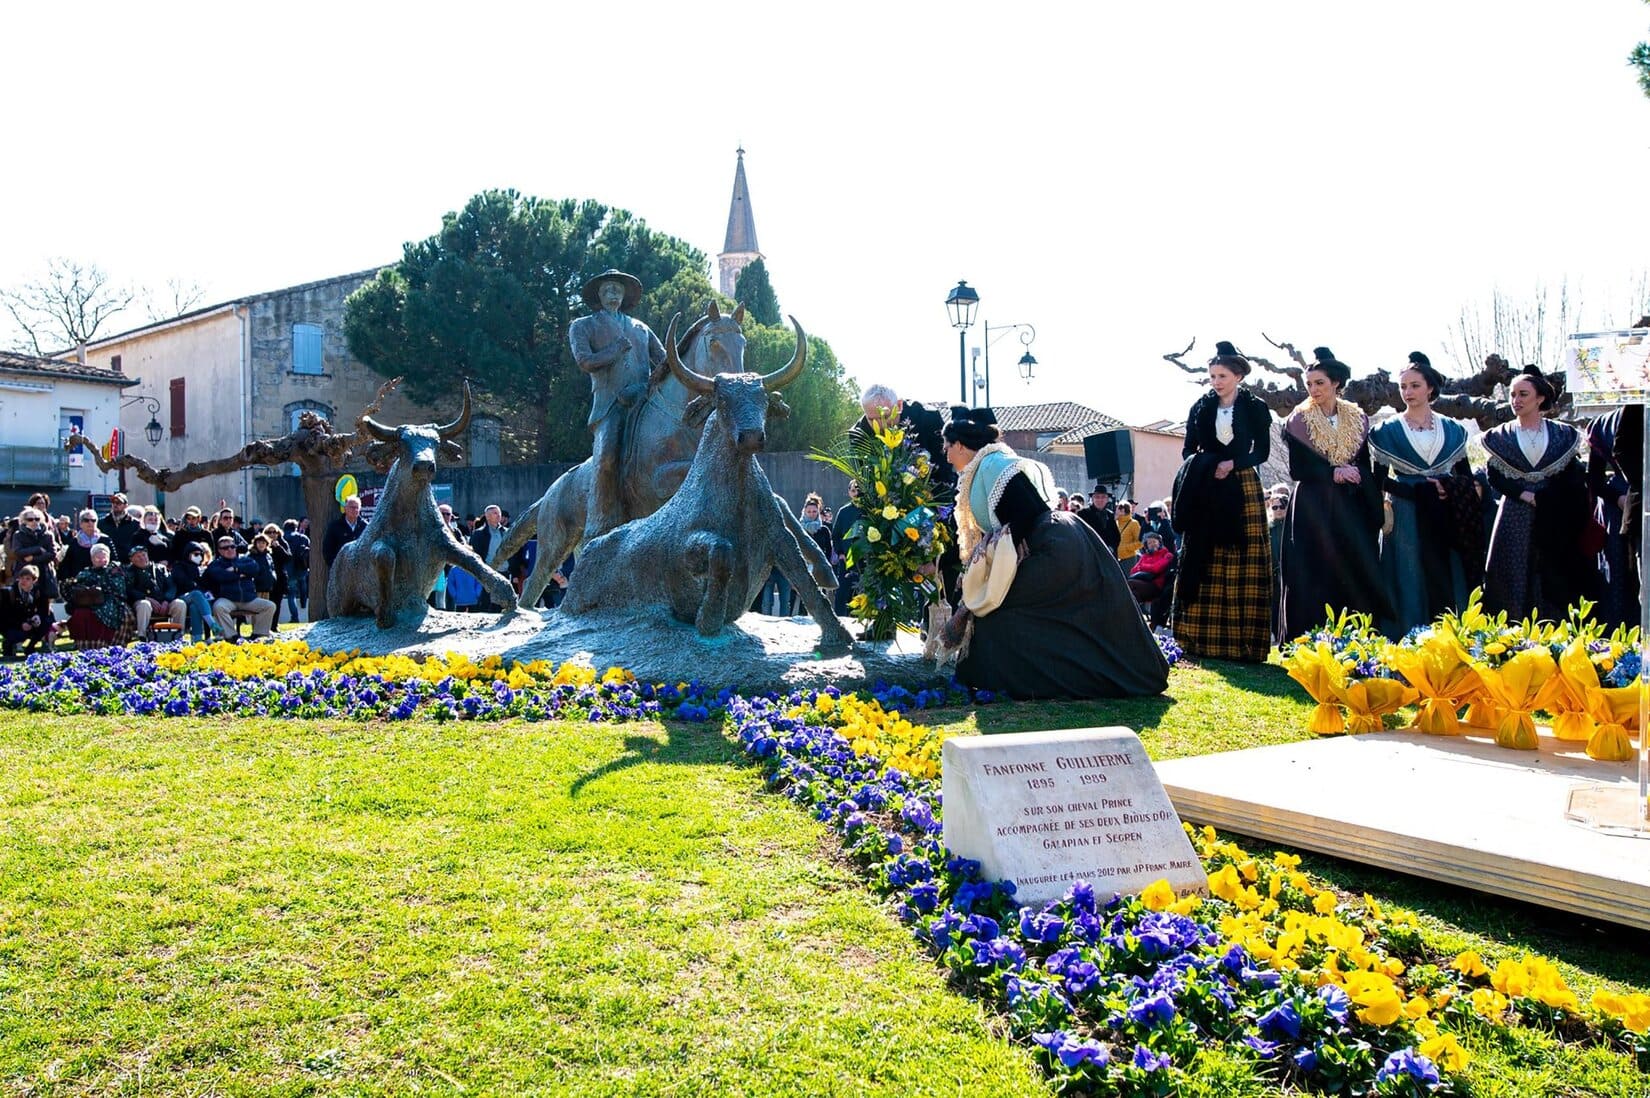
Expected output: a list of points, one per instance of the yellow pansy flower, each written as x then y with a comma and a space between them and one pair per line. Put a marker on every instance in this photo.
1469, 963
1445, 1051
1158, 895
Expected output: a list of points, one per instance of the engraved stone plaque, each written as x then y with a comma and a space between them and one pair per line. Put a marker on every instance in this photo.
1047, 809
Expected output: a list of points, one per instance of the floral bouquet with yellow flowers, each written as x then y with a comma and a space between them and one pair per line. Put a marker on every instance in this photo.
1514, 662
1481, 639
1599, 678
897, 541
1343, 664
1434, 664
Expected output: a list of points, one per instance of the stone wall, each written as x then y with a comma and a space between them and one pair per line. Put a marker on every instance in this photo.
344, 385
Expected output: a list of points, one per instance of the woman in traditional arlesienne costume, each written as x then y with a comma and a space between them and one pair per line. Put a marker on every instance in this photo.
1050, 610
1433, 554
1223, 591
1330, 533
1535, 560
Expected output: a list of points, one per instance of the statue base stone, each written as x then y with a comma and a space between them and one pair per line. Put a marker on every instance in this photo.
756, 653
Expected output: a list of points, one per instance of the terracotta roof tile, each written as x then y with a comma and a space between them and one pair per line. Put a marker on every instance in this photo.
12, 362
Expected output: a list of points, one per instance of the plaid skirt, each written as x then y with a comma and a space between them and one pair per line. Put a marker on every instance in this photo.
89, 632
1230, 615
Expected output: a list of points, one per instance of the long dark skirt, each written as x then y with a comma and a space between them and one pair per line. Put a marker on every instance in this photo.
1523, 575
1329, 557
1068, 628
1229, 617
1422, 574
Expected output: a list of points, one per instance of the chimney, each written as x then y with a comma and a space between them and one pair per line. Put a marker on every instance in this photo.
80, 353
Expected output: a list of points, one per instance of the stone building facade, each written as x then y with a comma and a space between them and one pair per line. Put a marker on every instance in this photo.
243, 370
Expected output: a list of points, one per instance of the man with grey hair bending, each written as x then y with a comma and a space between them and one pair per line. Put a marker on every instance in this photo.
924, 423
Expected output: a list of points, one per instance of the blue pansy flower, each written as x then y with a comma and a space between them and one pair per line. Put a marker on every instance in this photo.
1282, 1021
1407, 1062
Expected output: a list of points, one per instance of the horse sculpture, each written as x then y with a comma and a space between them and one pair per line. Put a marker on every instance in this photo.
706, 553
662, 438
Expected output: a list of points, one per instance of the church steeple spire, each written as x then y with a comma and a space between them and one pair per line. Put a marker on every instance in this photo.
739, 250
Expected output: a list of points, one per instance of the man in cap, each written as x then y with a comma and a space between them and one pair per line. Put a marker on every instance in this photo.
149, 592
120, 528
623, 358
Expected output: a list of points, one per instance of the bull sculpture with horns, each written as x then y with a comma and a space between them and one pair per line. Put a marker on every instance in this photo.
705, 553
389, 570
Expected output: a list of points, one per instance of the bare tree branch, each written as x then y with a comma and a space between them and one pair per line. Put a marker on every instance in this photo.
1176, 357
1480, 398
66, 307
175, 299
313, 446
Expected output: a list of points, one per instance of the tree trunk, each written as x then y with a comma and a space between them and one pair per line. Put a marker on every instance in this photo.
319, 504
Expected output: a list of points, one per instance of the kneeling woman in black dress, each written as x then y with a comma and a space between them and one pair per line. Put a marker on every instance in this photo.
1052, 613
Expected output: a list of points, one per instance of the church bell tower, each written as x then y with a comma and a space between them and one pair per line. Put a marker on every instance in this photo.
739, 250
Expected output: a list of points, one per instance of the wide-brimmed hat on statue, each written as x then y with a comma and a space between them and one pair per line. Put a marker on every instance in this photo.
632, 290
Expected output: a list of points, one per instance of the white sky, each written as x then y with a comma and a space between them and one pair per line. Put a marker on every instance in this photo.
1122, 176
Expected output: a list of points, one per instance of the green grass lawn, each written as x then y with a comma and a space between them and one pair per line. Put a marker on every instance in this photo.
289, 908
268, 907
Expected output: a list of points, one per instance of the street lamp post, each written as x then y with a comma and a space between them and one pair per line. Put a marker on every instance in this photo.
1026, 364
151, 431
962, 304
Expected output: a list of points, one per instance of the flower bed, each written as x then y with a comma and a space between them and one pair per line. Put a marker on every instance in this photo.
1126, 996
1474, 670
290, 679
1307, 987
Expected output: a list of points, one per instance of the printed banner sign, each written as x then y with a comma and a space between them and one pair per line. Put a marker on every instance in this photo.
1602, 369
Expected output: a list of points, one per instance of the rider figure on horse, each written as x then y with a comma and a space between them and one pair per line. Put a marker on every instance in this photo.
624, 360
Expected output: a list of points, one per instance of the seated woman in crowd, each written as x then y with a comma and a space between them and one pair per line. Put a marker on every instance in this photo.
35, 543
1335, 511
186, 586
1051, 613
1536, 560
78, 555
1151, 569
1223, 594
96, 597
1430, 559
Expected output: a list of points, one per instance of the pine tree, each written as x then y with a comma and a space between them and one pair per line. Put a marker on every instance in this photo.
755, 293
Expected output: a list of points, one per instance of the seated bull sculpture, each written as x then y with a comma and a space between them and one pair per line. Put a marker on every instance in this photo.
708, 550
389, 570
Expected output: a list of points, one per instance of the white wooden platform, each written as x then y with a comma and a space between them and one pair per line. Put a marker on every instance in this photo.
1456, 809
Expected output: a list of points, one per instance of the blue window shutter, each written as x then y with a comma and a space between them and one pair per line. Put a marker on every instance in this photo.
306, 348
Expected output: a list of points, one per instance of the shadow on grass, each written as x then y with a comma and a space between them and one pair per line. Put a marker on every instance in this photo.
1257, 678
683, 744
1031, 716
1605, 949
